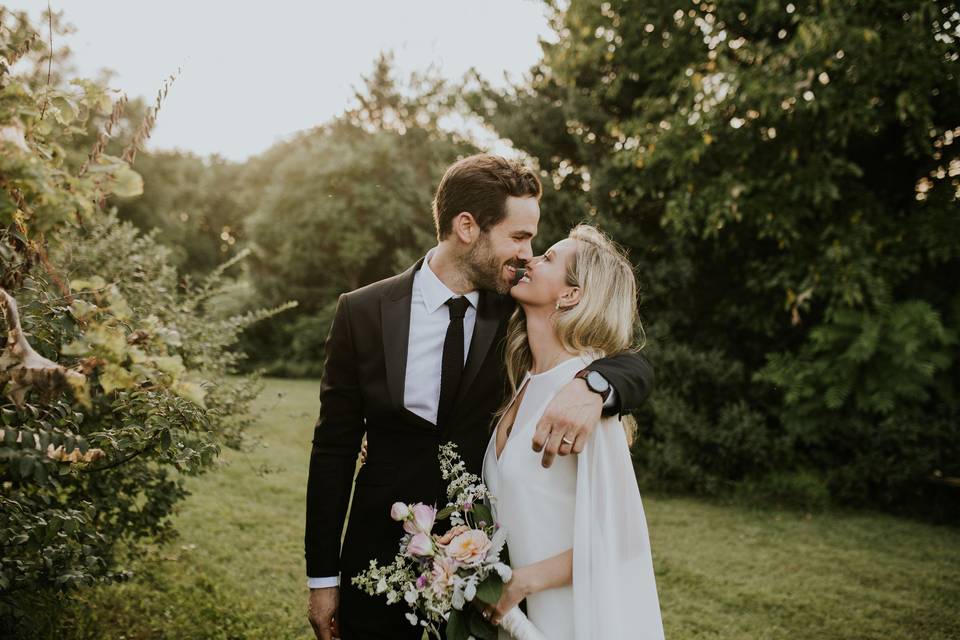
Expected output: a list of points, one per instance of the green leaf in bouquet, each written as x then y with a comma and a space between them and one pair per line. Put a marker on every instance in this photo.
479, 627
457, 625
490, 589
444, 513
482, 512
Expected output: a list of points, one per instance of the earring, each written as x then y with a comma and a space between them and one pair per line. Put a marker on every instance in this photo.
558, 305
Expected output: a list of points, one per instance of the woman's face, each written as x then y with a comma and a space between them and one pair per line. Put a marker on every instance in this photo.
545, 282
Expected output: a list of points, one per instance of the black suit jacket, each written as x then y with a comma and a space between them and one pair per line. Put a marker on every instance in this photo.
362, 392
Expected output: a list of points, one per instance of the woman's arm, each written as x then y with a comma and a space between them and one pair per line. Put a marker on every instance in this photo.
555, 571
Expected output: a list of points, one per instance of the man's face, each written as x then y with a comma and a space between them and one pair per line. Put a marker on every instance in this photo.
492, 261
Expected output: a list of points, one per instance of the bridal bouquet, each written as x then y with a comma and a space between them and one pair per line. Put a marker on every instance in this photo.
438, 576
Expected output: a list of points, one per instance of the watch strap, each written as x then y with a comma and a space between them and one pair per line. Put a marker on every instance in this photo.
583, 373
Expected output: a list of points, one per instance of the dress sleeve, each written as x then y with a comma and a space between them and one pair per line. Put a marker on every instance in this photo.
614, 589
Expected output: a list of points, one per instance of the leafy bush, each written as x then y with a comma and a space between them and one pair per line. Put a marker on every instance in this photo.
114, 370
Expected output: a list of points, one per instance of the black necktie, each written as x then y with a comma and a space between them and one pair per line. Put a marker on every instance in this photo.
452, 365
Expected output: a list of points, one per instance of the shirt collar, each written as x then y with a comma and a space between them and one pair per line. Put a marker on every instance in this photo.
435, 293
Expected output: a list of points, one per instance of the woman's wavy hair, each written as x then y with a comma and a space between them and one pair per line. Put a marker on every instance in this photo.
602, 323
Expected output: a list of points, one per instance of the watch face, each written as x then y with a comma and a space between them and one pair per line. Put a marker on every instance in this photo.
597, 382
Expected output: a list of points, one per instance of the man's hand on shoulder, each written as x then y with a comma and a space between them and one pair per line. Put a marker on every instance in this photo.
322, 612
568, 421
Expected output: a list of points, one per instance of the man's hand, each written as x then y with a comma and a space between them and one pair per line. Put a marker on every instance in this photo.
568, 422
322, 612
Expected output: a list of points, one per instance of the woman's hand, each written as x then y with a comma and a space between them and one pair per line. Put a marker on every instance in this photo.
551, 573
513, 593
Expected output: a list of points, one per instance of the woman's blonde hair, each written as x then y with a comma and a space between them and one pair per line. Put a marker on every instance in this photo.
601, 323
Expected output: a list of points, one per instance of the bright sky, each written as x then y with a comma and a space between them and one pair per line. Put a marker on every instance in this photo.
253, 73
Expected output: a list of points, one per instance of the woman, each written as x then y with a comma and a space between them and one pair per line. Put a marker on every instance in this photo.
576, 532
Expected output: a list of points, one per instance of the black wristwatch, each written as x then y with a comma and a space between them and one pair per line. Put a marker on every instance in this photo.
596, 382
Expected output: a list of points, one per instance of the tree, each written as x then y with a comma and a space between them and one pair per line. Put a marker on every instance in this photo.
197, 204
346, 204
786, 178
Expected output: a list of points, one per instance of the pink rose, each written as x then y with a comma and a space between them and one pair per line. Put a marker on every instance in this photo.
420, 545
399, 511
469, 547
423, 517
442, 573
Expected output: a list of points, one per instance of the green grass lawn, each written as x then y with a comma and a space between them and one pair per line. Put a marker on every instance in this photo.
723, 571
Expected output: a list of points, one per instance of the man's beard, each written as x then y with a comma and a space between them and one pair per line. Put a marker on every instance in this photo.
483, 268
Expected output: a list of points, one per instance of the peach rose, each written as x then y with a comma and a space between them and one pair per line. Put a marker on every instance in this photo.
450, 535
442, 573
469, 547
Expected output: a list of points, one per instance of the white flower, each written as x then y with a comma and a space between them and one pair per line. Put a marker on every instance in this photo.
504, 571
399, 511
412, 618
496, 544
410, 597
470, 592
382, 585
458, 599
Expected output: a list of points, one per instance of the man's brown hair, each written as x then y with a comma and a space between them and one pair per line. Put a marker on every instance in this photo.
480, 185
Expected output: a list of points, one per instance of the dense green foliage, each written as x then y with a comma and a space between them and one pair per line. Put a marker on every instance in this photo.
196, 204
787, 177
113, 368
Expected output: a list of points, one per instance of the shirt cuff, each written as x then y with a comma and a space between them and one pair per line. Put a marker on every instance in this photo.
611, 400
323, 583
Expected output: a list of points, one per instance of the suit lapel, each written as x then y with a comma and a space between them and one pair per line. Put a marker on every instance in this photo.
395, 325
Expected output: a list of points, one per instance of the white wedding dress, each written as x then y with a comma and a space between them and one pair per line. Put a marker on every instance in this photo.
589, 502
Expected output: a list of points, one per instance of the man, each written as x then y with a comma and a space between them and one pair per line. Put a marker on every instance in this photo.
416, 360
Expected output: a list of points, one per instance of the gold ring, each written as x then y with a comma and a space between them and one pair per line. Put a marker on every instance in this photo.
486, 614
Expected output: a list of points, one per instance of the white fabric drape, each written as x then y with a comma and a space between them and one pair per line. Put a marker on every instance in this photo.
614, 589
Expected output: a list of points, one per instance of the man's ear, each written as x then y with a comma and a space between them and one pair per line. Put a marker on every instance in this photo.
465, 227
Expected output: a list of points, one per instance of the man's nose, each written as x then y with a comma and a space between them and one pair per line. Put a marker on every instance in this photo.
526, 253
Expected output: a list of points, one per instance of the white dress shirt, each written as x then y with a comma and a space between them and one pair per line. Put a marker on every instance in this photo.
429, 319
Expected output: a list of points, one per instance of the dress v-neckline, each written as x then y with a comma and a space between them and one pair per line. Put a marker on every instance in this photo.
522, 390
496, 432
